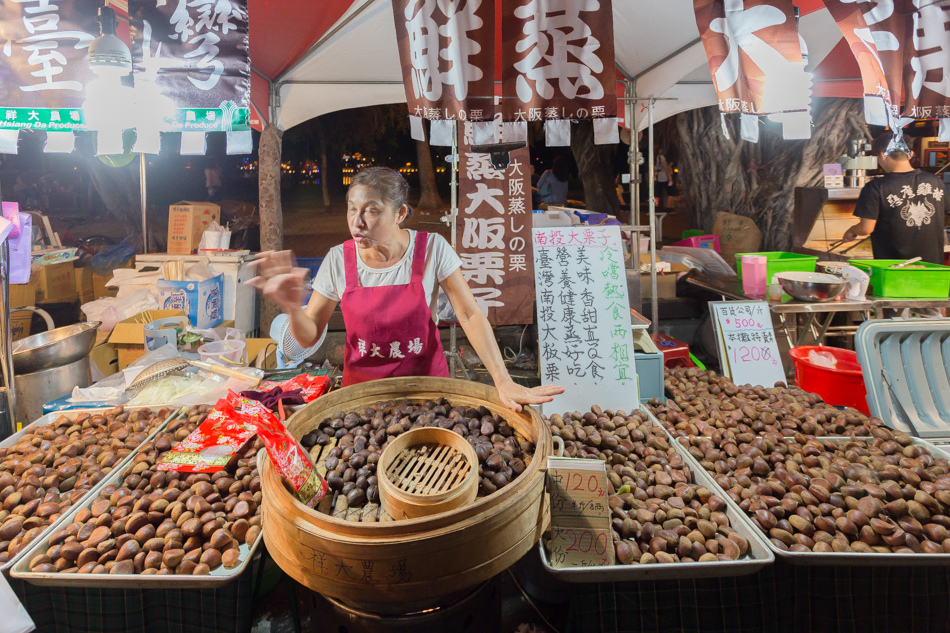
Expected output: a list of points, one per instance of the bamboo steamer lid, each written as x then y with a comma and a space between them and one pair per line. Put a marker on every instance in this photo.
416, 559
426, 471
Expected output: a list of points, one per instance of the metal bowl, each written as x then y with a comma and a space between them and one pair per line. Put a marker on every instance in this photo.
55, 348
812, 287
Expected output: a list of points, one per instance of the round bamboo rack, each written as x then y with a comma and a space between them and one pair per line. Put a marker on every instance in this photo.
412, 560
426, 471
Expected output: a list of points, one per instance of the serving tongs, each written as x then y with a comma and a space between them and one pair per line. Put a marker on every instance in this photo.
836, 244
170, 365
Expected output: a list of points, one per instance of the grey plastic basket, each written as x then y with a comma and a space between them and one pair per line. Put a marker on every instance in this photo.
914, 356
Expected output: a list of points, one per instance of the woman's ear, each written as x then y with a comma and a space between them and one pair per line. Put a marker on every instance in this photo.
402, 214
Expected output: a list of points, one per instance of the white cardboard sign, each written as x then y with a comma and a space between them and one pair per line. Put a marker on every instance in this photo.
747, 349
585, 341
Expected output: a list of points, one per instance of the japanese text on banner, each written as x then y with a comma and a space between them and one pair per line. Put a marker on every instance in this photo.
447, 51
559, 60
585, 340
747, 346
494, 230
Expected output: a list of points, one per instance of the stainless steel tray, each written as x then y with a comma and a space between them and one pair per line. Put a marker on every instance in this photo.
52, 416
836, 559
759, 555
217, 577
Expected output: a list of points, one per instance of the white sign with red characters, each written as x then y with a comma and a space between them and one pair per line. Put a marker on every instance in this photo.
747, 349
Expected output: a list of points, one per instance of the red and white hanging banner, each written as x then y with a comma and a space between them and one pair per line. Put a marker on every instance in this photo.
850, 17
927, 61
447, 51
494, 232
755, 56
558, 60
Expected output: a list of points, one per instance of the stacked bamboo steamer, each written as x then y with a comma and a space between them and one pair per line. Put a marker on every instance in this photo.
412, 560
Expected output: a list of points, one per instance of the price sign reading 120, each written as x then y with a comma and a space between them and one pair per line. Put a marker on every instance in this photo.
745, 354
576, 482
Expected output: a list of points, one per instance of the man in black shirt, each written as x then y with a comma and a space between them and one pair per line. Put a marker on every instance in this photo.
903, 211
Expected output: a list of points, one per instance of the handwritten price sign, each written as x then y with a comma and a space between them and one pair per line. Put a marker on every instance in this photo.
580, 516
747, 348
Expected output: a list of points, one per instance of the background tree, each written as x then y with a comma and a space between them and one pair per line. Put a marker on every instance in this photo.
596, 168
758, 180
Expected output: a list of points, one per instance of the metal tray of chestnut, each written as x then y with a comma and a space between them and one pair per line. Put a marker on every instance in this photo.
882, 500
132, 533
38, 497
670, 524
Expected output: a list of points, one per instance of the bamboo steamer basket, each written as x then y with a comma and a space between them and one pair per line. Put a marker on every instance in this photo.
415, 482
414, 560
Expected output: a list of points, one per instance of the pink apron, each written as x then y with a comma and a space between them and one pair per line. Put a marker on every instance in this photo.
389, 329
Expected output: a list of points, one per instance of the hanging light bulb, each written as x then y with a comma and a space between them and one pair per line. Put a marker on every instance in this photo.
108, 106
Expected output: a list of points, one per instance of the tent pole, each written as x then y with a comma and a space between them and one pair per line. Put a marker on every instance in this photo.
630, 104
654, 301
453, 344
142, 189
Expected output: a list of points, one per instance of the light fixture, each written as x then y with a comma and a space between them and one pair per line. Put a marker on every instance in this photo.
499, 152
108, 106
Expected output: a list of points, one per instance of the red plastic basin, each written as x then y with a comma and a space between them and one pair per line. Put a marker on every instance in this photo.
842, 386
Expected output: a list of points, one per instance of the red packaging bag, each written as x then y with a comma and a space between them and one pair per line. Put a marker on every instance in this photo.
288, 456
210, 447
311, 387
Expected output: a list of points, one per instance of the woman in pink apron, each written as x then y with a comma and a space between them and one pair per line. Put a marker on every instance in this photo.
386, 280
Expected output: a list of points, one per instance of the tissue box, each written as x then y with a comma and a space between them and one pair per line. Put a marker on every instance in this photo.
200, 300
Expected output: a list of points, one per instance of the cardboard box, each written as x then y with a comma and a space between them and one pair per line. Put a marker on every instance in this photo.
128, 337
105, 358
84, 285
257, 345
55, 283
665, 281
186, 222
22, 295
99, 289
20, 323
202, 301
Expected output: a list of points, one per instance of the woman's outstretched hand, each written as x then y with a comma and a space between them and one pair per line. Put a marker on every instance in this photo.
278, 280
514, 395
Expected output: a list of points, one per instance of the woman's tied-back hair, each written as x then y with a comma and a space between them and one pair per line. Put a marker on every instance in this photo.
388, 183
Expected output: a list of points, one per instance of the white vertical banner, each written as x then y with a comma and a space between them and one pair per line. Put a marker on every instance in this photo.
585, 341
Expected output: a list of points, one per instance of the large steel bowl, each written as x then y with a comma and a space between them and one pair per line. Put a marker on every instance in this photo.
54, 348
812, 287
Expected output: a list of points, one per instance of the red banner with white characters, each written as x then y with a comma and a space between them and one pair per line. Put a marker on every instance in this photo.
558, 60
850, 17
754, 54
494, 232
927, 60
447, 51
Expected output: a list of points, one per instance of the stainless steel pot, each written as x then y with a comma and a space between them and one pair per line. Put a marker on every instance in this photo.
62, 346
36, 389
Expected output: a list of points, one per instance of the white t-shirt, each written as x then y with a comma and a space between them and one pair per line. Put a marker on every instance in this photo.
441, 261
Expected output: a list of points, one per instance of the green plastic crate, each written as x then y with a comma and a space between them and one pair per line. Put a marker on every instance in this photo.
688, 233
781, 262
918, 283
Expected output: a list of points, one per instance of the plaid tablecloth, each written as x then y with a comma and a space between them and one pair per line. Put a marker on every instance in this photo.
780, 599
227, 609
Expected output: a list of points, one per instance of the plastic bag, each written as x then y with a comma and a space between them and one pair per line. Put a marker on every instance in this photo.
858, 282
21, 251
15, 617
822, 359
113, 257
111, 310
215, 237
